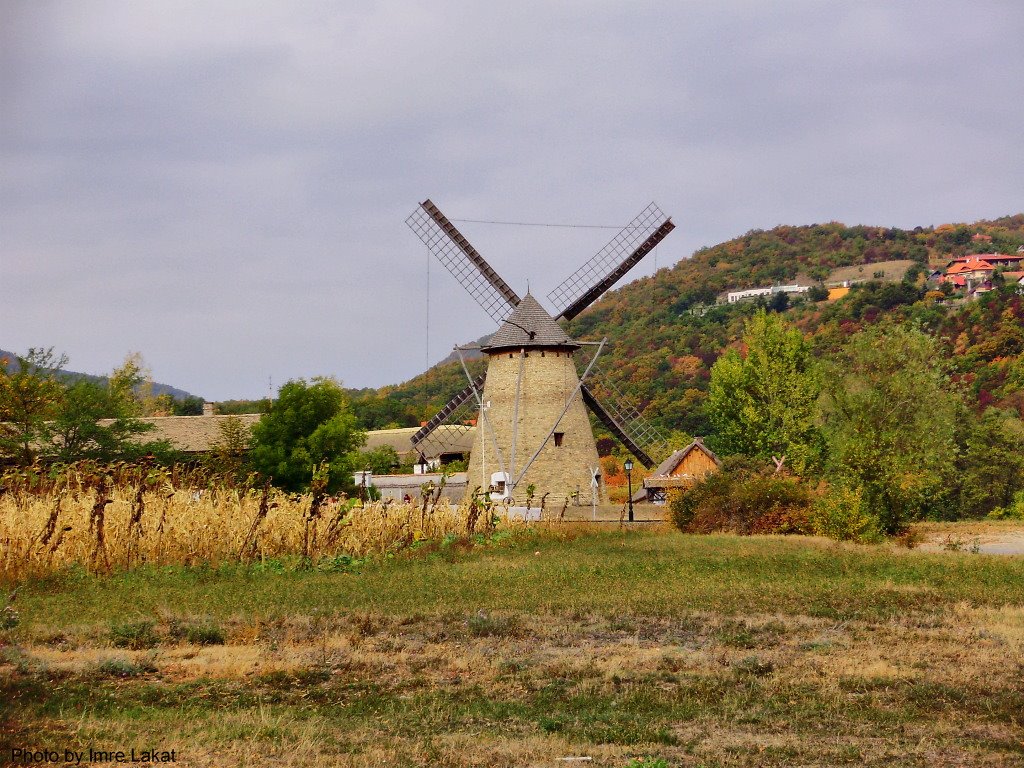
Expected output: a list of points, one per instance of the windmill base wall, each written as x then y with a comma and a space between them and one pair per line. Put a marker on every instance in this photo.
548, 379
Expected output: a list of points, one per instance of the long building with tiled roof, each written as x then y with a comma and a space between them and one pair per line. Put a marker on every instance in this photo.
199, 434
190, 434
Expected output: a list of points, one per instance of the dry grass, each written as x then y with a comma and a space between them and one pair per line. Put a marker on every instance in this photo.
614, 645
106, 529
893, 271
758, 690
702, 651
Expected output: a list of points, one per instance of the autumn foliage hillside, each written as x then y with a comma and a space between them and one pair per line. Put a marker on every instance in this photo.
666, 331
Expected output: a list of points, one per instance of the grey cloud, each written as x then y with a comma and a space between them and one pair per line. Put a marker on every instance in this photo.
222, 185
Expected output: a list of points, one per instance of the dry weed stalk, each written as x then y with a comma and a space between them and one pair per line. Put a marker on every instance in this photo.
98, 522
318, 495
135, 521
250, 538
51, 522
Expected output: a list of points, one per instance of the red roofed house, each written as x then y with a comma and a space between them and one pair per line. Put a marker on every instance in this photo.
995, 259
957, 281
974, 273
972, 269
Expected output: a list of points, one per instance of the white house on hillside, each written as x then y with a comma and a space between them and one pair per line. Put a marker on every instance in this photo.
751, 293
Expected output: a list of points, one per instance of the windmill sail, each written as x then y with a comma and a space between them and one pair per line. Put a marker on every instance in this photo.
462, 396
524, 404
611, 263
460, 258
617, 427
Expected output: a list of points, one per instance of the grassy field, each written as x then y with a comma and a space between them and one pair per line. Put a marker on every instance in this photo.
617, 646
893, 271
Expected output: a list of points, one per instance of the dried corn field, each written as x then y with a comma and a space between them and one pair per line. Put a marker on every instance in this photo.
108, 527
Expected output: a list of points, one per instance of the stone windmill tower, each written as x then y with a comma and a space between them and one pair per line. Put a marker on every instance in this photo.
531, 404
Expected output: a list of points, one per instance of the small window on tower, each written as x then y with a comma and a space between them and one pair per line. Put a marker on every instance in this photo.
558, 439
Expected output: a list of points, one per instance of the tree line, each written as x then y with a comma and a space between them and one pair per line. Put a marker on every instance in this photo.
47, 415
51, 420
878, 425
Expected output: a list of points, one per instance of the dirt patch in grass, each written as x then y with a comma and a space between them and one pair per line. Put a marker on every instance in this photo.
984, 537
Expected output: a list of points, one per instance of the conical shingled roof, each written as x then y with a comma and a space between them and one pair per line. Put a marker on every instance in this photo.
529, 326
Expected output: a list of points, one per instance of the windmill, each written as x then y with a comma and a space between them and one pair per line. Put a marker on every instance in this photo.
532, 424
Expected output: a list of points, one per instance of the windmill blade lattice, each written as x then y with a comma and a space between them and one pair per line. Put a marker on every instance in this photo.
464, 398
454, 436
460, 258
627, 417
607, 266
614, 427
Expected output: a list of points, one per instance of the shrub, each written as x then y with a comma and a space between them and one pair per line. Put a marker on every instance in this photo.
121, 667
9, 618
1013, 511
752, 666
134, 635
743, 500
839, 513
197, 633
483, 625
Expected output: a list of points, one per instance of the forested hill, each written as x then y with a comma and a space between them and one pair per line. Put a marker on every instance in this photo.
156, 388
666, 332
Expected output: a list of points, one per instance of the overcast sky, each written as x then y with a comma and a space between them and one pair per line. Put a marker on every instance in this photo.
222, 186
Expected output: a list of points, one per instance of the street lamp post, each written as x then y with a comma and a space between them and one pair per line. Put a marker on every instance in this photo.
628, 466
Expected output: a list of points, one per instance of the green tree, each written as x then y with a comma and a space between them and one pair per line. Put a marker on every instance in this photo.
309, 423
890, 414
95, 421
382, 460
779, 302
187, 406
763, 404
236, 407
382, 412
227, 453
990, 470
30, 395
817, 293
132, 386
